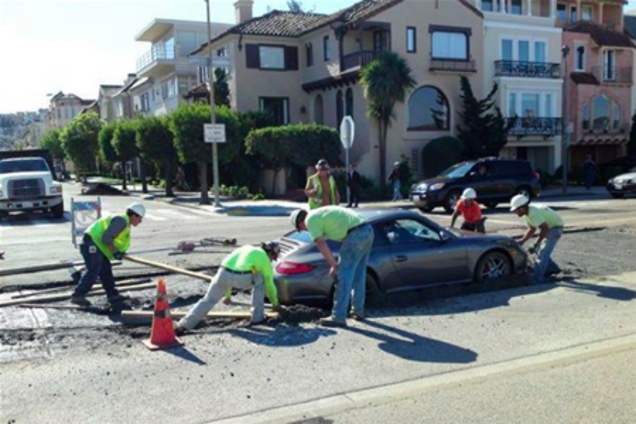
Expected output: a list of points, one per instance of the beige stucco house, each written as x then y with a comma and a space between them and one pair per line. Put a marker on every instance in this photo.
305, 68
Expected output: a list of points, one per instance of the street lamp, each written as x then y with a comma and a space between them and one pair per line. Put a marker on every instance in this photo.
565, 138
215, 153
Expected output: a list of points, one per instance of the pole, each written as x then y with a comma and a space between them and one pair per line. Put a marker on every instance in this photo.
566, 121
347, 169
215, 154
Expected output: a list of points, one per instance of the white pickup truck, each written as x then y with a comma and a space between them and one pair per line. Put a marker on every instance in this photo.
27, 184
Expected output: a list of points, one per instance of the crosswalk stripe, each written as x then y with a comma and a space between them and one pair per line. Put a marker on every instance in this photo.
152, 217
176, 214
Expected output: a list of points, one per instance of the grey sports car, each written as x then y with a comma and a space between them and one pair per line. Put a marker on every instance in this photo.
409, 252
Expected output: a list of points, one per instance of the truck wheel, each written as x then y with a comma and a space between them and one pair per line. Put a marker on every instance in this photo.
58, 211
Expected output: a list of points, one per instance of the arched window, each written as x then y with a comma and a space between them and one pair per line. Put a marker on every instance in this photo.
428, 110
339, 107
601, 113
319, 115
349, 102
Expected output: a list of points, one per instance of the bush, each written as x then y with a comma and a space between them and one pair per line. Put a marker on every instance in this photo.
369, 189
439, 154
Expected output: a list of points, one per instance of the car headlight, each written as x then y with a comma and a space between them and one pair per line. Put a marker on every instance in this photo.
56, 189
421, 187
435, 187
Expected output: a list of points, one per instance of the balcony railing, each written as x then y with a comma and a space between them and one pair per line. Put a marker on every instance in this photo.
512, 68
156, 53
453, 66
542, 127
607, 75
357, 59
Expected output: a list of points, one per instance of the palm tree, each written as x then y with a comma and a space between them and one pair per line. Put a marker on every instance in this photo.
385, 81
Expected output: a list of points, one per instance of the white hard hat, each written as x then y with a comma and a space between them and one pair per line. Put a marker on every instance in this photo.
469, 193
297, 216
518, 201
137, 208
396, 164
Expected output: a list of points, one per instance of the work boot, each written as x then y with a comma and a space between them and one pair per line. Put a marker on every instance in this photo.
117, 298
180, 330
332, 322
358, 316
80, 300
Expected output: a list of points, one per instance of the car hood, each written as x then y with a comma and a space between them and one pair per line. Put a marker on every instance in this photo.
628, 176
22, 175
431, 181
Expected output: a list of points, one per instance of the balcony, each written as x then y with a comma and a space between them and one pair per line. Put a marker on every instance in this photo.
607, 75
511, 68
453, 66
541, 127
156, 54
357, 60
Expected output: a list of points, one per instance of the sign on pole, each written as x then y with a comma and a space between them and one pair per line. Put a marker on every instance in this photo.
347, 135
214, 133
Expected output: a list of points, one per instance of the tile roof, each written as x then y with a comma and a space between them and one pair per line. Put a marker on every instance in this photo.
295, 24
200, 90
629, 23
602, 35
583, 78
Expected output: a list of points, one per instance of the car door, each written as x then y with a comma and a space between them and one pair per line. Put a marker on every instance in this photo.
481, 182
381, 261
420, 255
505, 177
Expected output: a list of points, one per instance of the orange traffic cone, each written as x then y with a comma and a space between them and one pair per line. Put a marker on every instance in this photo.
162, 333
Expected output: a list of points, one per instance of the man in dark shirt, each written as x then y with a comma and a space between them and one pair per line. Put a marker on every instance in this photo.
353, 182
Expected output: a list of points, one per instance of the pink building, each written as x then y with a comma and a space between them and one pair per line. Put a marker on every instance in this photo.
599, 64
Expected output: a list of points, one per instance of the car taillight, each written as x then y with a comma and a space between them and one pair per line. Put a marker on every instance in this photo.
292, 268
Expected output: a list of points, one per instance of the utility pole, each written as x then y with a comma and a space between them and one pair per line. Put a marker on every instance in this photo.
565, 138
215, 153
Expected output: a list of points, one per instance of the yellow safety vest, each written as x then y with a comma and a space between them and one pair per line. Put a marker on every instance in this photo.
316, 202
121, 242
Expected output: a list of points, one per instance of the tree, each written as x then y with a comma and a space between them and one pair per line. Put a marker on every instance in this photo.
221, 88
631, 144
52, 142
155, 142
295, 6
481, 132
80, 142
107, 153
125, 144
385, 81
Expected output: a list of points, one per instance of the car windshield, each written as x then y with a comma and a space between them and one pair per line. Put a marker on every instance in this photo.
457, 170
302, 236
24, 165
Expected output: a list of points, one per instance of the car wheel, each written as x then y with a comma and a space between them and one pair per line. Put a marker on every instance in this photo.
58, 211
374, 294
451, 201
491, 205
426, 209
524, 190
617, 195
492, 265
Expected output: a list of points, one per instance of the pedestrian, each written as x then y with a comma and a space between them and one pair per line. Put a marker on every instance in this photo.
589, 167
354, 182
247, 267
550, 226
105, 240
349, 228
321, 187
470, 210
395, 180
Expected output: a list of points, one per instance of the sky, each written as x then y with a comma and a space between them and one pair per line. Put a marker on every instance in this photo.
77, 45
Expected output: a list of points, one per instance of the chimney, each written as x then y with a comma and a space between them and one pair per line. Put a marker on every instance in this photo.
243, 10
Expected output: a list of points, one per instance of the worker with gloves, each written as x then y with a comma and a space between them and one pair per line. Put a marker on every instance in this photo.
248, 267
550, 227
105, 240
469, 209
349, 228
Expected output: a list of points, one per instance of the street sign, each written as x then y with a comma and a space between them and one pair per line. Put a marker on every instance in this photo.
214, 133
347, 132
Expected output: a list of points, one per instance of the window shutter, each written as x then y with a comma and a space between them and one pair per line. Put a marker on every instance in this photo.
252, 58
291, 58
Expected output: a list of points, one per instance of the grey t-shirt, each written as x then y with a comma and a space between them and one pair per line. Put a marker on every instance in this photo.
117, 225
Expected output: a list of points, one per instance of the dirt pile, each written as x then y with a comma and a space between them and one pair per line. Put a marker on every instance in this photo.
101, 189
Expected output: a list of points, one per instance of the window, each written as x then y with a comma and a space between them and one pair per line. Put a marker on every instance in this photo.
319, 117
506, 50
339, 107
204, 74
409, 231
326, 48
349, 103
380, 41
515, 7
524, 51
449, 45
609, 65
309, 53
487, 5
271, 57
428, 110
561, 12
278, 107
411, 39
547, 106
601, 113
144, 101
617, 116
169, 48
573, 14
540, 49
512, 104
586, 13
579, 58
586, 117
530, 105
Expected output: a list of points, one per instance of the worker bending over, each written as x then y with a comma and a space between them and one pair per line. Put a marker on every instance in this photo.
470, 210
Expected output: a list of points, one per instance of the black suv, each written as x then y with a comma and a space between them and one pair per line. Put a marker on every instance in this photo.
494, 180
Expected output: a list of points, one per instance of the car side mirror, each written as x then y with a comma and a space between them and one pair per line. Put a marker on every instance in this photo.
444, 236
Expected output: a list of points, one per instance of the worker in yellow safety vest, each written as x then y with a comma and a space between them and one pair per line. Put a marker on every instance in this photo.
105, 240
321, 187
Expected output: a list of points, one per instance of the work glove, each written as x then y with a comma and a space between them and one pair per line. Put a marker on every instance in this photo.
118, 255
227, 300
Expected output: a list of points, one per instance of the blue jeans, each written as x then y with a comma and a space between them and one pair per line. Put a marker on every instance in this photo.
352, 271
544, 261
97, 266
397, 193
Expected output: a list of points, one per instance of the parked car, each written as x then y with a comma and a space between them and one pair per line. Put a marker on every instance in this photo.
499, 180
622, 184
409, 252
